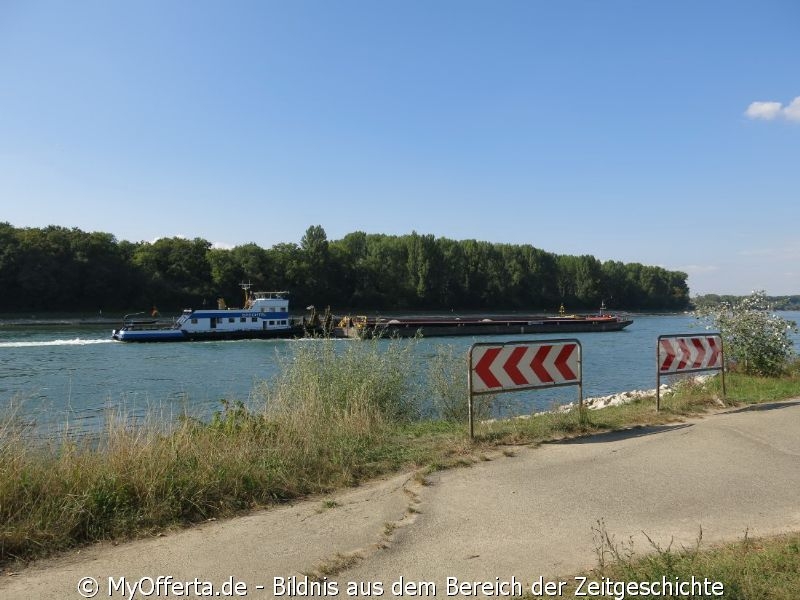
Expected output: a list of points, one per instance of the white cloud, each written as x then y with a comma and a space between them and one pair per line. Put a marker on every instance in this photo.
773, 110
764, 110
792, 112
786, 251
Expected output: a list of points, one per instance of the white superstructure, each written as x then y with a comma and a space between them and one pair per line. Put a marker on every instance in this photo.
265, 314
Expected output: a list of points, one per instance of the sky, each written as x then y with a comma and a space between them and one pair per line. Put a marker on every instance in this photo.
665, 133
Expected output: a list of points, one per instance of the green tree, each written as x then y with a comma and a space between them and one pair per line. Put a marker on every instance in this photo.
452, 290
226, 272
349, 255
42, 268
289, 271
617, 286
177, 270
316, 264
10, 259
424, 273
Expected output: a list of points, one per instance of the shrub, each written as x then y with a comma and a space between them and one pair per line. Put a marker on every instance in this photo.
754, 336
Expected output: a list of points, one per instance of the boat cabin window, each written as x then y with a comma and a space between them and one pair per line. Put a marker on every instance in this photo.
272, 322
254, 319
242, 319
231, 320
194, 321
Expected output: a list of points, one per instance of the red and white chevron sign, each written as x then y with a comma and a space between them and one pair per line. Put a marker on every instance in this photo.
519, 365
681, 354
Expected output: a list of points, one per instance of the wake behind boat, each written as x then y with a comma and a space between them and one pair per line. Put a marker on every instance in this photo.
265, 315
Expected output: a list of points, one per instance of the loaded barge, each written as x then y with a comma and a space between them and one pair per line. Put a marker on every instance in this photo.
435, 326
266, 315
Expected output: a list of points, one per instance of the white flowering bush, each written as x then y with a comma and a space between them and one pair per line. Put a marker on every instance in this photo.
753, 335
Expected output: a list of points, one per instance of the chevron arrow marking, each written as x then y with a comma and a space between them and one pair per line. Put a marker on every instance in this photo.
685, 353
561, 362
669, 355
537, 364
701, 353
697, 353
483, 368
713, 360
519, 365
510, 366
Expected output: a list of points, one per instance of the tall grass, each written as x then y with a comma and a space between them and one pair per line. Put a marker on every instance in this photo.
323, 423
447, 387
338, 413
336, 403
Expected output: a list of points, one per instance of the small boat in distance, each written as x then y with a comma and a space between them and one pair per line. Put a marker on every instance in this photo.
265, 315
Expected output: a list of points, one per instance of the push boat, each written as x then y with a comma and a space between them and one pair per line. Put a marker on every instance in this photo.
265, 315
436, 326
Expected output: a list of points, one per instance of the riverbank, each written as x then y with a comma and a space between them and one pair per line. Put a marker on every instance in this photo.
332, 419
521, 511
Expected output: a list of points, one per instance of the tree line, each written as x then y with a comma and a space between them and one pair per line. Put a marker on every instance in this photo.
61, 269
772, 302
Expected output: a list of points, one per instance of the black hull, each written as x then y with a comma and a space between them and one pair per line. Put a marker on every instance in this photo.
293, 332
210, 336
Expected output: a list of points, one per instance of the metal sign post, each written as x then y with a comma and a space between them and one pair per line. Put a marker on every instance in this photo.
684, 353
522, 365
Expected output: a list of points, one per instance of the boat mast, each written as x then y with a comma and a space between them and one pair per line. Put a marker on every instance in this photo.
246, 289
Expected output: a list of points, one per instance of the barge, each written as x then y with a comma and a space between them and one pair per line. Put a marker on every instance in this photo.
435, 326
266, 315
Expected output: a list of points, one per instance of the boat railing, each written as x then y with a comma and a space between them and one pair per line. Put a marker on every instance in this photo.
270, 295
130, 321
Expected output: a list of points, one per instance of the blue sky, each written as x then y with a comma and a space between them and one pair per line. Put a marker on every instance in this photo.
655, 132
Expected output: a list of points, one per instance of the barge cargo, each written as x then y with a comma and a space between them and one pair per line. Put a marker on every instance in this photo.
434, 326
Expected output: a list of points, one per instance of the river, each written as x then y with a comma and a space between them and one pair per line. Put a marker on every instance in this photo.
71, 376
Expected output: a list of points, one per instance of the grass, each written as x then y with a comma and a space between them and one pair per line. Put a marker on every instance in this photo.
750, 569
337, 415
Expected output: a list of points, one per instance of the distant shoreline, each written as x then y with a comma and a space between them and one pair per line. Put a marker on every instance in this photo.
83, 321
87, 319
36, 321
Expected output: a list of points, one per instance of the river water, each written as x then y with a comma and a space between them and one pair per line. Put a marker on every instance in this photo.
70, 376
